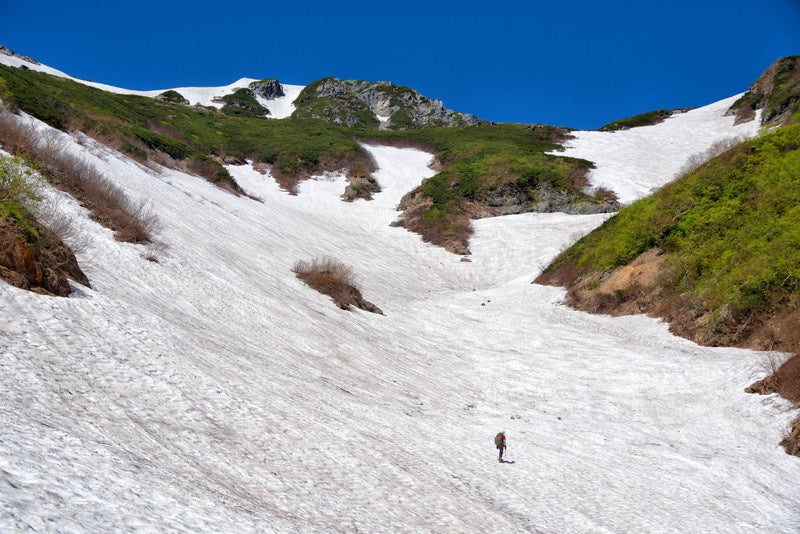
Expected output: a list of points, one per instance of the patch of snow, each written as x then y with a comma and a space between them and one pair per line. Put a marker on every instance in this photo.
213, 391
634, 162
279, 108
205, 95
282, 107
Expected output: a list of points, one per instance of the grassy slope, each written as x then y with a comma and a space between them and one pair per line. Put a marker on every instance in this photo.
643, 119
478, 161
141, 125
730, 232
776, 93
475, 160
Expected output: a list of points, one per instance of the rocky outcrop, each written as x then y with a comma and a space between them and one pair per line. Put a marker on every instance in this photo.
508, 199
511, 199
268, 89
791, 442
8, 52
34, 258
776, 92
375, 105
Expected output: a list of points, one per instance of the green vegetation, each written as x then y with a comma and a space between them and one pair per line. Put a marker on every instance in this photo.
730, 230
17, 182
173, 96
777, 91
146, 127
476, 161
242, 103
644, 119
339, 107
18, 192
481, 161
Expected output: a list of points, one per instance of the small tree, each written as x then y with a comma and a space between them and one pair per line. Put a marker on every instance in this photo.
18, 182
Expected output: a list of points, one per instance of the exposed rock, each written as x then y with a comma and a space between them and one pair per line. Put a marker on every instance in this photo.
791, 443
776, 92
360, 187
8, 52
40, 263
765, 386
361, 103
269, 89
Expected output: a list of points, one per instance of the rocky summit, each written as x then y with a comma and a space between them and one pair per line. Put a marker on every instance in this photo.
381, 105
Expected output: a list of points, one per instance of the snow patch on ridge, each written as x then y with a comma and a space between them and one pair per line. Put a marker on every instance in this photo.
279, 108
634, 162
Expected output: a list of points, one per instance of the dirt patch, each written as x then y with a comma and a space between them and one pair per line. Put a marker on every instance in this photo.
626, 290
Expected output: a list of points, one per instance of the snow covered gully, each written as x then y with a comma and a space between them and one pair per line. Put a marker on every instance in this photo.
213, 391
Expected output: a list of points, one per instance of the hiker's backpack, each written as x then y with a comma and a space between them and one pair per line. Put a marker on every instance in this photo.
498, 440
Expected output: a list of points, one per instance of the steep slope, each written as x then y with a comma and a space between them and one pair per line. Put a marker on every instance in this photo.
485, 169
32, 257
715, 252
776, 94
726, 250
213, 391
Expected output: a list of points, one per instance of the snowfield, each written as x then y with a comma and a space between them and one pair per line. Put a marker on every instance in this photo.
212, 391
635, 162
279, 108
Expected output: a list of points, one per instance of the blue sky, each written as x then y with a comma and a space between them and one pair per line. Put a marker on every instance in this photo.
579, 64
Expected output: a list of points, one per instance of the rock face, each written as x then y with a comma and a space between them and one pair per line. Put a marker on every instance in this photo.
511, 199
375, 105
776, 93
35, 259
269, 89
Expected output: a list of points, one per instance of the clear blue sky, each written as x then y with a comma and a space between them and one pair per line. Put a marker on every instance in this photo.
573, 63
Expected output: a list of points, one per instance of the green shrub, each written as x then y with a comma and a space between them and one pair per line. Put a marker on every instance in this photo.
174, 97
18, 183
644, 119
730, 229
242, 103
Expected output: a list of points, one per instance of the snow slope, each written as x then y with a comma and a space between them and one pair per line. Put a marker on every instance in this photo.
279, 108
214, 392
634, 162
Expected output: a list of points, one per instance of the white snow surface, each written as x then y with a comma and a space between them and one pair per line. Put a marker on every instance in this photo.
212, 391
279, 108
635, 162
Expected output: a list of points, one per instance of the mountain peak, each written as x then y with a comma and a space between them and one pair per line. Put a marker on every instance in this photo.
381, 105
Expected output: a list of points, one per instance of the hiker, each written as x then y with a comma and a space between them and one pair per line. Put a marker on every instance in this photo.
500, 443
